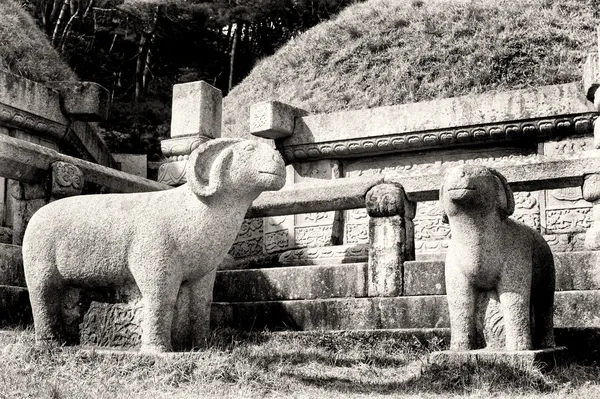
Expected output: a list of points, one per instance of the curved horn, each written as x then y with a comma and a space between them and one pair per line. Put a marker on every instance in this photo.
204, 170
510, 198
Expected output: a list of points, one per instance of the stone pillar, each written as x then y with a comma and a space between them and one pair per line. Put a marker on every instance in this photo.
391, 238
28, 198
591, 193
196, 118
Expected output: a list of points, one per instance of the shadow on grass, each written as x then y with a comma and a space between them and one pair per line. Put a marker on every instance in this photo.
433, 379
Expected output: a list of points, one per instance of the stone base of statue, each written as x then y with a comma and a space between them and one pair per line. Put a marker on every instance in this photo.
546, 359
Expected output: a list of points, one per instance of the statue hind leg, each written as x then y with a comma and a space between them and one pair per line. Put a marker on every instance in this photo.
45, 295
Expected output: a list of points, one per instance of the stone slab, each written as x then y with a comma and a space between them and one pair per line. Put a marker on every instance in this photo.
334, 254
531, 103
528, 174
11, 266
197, 110
135, 164
86, 101
28, 162
298, 282
546, 359
334, 314
575, 271
424, 278
573, 309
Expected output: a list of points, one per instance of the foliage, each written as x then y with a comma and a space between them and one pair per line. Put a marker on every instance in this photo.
24, 50
138, 49
386, 52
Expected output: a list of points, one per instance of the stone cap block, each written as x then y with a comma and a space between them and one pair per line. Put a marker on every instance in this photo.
273, 119
197, 110
85, 101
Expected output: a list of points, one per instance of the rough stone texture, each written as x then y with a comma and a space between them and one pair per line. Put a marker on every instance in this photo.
574, 310
86, 101
135, 164
67, 180
547, 358
385, 204
273, 120
424, 278
591, 193
36, 108
166, 242
11, 266
285, 283
336, 254
196, 118
334, 314
490, 252
30, 162
197, 109
492, 117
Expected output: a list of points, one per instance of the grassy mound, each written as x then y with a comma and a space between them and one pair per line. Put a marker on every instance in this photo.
385, 52
25, 50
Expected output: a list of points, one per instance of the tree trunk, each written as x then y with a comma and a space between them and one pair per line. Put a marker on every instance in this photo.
236, 38
143, 59
59, 22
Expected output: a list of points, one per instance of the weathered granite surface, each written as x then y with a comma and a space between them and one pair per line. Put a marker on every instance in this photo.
573, 309
547, 359
490, 252
166, 243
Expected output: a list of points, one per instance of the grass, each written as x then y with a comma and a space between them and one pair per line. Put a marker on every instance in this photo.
275, 365
24, 48
386, 52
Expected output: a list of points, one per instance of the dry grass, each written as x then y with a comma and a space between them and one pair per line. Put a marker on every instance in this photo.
386, 52
275, 366
25, 50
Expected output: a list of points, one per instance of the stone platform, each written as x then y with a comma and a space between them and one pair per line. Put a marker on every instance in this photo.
546, 359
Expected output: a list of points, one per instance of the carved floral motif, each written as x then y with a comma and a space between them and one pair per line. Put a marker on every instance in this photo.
112, 324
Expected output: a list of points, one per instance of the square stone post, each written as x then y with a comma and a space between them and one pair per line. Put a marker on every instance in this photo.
591, 193
196, 118
391, 238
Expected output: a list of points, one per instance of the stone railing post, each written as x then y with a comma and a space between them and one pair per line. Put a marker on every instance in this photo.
196, 118
391, 239
65, 180
591, 193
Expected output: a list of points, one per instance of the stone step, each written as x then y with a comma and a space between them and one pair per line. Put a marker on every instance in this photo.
573, 309
295, 282
574, 271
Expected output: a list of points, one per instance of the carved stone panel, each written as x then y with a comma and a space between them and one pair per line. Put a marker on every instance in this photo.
315, 229
565, 213
431, 234
249, 241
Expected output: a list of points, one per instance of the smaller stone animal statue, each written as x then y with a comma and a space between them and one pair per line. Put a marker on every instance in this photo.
490, 252
164, 242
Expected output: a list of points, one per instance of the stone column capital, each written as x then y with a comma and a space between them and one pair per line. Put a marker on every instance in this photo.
67, 180
386, 199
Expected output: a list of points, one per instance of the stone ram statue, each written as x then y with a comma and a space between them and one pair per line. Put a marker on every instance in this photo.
163, 242
489, 252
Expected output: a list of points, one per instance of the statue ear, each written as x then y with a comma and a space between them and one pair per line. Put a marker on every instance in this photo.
508, 207
207, 165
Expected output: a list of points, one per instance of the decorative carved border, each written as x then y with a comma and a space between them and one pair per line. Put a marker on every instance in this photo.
26, 121
443, 138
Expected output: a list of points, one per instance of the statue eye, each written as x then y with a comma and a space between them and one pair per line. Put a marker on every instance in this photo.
249, 147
